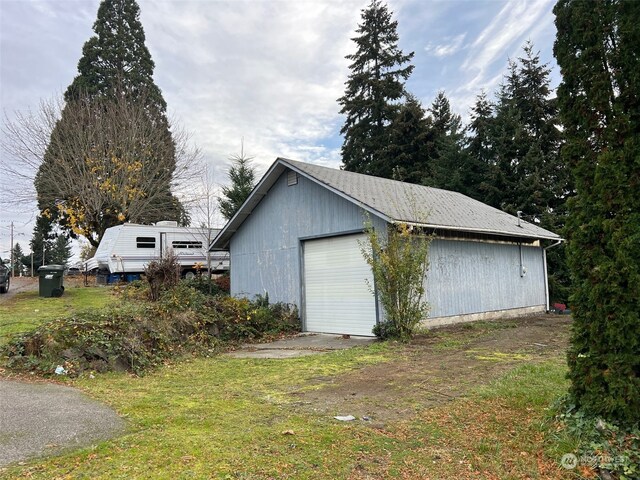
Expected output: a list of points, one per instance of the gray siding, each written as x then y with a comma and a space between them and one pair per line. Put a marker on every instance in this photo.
266, 250
465, 277
473, 277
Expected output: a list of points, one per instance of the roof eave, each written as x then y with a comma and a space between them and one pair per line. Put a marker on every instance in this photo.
221, 241
338, 192
486, 231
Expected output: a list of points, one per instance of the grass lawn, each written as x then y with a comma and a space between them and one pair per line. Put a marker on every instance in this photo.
233, 418
26, 310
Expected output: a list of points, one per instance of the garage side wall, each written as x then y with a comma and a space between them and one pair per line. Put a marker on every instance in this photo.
266, 250
474, 277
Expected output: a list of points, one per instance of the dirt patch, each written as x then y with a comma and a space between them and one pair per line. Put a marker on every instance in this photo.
437, 367
300, 345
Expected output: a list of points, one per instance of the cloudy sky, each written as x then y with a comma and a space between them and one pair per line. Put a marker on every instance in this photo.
266, 71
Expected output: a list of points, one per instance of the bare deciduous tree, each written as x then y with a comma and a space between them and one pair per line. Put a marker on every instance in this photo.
204, 212
104, 162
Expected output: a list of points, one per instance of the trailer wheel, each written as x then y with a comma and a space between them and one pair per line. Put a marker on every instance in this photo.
189, 275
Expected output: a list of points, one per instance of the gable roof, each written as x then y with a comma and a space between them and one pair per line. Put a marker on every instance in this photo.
393, 201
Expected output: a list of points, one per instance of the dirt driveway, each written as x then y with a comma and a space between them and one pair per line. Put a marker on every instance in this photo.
438, 367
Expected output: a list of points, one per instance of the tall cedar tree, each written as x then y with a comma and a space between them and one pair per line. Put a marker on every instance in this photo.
599, 99
374, 89
242, 176
114, 62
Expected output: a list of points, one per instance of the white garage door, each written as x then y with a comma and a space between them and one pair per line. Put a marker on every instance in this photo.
337, 297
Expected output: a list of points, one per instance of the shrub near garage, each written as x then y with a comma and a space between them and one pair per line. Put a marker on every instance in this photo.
217, 286
139, 334
240, 319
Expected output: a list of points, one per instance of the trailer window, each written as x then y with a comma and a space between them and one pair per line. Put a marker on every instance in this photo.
186, 244
146, 242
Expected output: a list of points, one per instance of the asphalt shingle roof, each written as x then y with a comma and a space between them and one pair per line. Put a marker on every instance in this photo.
434, 207
395, 202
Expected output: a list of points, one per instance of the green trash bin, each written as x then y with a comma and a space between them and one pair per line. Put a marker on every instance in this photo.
51, 280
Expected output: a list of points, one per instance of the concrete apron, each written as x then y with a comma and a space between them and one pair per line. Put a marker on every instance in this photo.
300, 346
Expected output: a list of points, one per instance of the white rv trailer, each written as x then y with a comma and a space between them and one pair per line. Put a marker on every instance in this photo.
128, 248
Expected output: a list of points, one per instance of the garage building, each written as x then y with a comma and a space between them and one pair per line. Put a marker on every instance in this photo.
298, 236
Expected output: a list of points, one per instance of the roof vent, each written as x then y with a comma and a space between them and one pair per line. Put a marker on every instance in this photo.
292, 178
167, 223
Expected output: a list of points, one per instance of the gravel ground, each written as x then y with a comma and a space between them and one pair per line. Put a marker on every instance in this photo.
19, 284
40, 419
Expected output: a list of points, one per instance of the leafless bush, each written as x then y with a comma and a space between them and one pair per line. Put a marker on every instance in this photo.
162, 274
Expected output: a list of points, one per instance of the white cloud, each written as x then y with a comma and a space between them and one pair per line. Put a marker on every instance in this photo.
486, 56
268, 71
453, 45
515, 19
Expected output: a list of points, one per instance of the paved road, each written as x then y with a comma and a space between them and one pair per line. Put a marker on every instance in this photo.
39, 419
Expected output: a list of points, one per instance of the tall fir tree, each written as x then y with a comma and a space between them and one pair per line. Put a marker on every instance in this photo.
41, 241
599, 100
18, 259
408, 135
513, 148
479, 149
242, 175
61, 250
444, 155
115, 65
531, 177
374, 90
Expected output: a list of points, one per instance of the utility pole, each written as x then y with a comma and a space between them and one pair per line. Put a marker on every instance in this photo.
32, 262
13, 263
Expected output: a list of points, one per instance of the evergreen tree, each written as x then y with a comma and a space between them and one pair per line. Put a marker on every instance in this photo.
531, 177
116, 58
41, 242
479, 149
61, 250
499, 183
408, 137
445, 158
115, 66
18, 259
374, 89
514, 155
599, 99
242, 176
